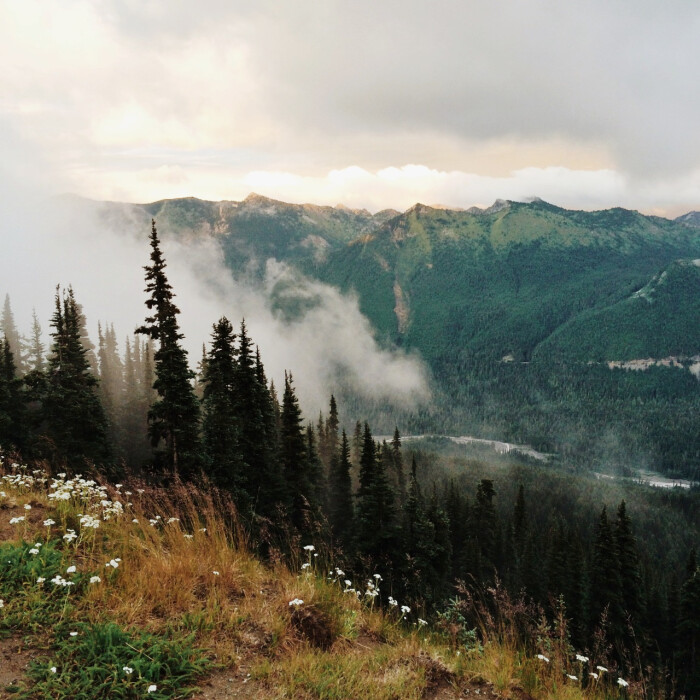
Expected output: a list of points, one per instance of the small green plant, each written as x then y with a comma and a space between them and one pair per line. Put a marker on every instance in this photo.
36, 584
453, 621
104, 661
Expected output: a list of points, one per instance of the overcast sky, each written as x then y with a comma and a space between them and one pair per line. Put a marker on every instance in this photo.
370, 103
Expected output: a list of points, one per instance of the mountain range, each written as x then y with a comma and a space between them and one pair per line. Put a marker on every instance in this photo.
517, 295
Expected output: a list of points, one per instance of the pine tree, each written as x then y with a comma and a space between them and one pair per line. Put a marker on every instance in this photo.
375, 513
294, 456
133, 416
397, 464
75, 426
35, 350
484, 525
340, 493
224, 463
13, 424
605, 592
628, 562
174, 416
8, 329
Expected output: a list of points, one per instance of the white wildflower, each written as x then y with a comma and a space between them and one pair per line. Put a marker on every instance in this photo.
73, 634
152, 688
296, 602
41, 579
216, 573
542, 657
27, 506
71, 570
602, 669
48, 522
14, 521
405, 610
622, 683
53, 669
95, 579
573, 678
34, 550
421, 622
593, 675
128, 670
581, 658
306, 565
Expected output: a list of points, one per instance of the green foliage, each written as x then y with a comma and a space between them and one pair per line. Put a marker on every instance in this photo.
73, 421
95, 662
30, 603
174, 416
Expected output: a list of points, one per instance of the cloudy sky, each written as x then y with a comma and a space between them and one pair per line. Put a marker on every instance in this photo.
371, 103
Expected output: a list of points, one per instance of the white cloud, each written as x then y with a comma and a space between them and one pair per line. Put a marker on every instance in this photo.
129, 98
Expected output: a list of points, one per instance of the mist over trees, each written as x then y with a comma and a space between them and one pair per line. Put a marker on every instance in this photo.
136, 414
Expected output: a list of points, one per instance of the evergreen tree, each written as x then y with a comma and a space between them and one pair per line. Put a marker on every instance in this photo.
133, 417
294, 456
35, 350
456, 510
316, 475
340, 493
605, 592
174, 416
484, 526
375, 513
628, 562
441, 553
8, 329
74, 422
13, 424
111, 384
397, 464
224, 463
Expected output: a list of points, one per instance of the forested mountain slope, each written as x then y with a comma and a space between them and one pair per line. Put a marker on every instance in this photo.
527, 314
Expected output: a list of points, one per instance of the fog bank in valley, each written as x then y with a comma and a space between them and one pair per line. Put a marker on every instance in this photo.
327, 343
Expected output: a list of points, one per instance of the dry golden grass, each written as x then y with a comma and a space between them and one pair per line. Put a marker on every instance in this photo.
184, 565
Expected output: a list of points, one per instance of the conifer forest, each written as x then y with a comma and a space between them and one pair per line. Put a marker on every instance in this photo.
614, 568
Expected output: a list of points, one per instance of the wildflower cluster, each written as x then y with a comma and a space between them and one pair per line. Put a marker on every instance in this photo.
582, 661
21, 479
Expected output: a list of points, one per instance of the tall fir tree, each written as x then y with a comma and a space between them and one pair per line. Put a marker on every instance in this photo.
398, 470
134, 448
294, 457
605, 585
341, 514
35, 347
13, 423
628, 563
224, 463
375, 511
8, 329
75, 427
174, 416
